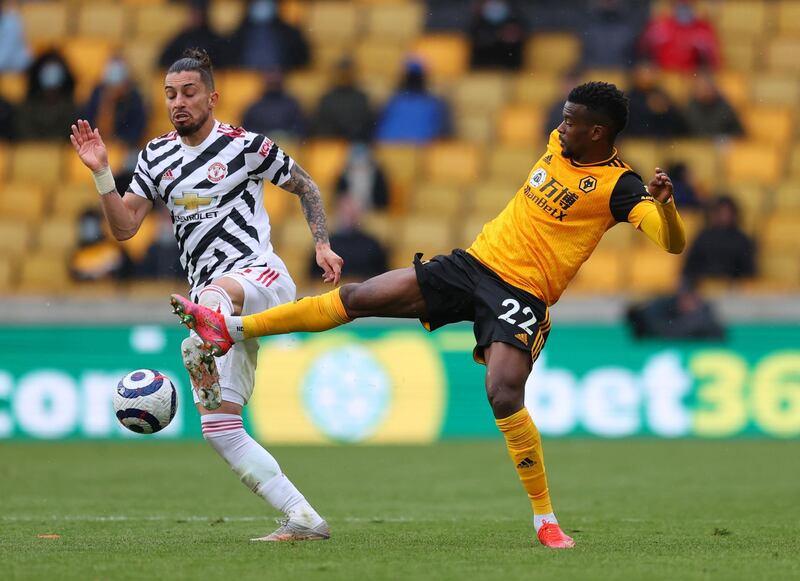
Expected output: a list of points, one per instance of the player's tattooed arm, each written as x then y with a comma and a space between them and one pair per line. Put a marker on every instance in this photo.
303, 186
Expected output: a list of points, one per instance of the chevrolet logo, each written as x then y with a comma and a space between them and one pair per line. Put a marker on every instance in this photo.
191, 201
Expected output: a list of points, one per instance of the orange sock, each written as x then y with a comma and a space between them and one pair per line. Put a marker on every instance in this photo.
312, 314
525, 448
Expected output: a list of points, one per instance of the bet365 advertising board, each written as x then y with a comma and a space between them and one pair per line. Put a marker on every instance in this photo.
396, 383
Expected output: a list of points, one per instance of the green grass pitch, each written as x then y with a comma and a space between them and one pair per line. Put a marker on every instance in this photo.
638, 510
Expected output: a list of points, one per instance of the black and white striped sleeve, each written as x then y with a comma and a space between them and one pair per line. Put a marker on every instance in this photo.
142, 184
267, 161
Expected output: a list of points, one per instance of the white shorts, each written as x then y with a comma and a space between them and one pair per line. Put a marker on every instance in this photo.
264, 288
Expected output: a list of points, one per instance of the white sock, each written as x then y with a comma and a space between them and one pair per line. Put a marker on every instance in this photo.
540, 519
235, 327
215, 298
256, 467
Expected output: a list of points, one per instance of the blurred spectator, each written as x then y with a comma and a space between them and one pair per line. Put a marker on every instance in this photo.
363, 180
609, 37
363, 255
708, 114
49, 108
497, 35
680, 40
684, 190
721, 249
97, 257
276, 111
14, 52
412, 113
162, 258
264, 41
116, 106
197, 34
684, 315
652, 113
344, 110
6, 120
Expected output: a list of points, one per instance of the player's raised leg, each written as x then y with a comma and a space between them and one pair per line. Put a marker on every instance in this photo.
507, 369
391, 294
223, 427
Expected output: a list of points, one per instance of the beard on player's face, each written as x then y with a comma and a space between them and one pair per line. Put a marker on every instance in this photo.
188, 127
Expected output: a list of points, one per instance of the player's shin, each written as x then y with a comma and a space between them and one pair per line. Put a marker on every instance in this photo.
310, 314
525, 448
256, 468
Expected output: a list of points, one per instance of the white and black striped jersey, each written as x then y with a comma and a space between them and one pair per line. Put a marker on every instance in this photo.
215, 195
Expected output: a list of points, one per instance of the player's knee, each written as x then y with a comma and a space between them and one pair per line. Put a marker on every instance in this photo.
505, 397
352, 299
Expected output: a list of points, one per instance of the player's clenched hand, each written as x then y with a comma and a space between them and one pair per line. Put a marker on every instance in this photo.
330, 262
660, 187
89, 145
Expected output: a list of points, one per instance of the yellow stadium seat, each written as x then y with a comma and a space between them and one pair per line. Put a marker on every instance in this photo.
693, 222
743, 18
87, 57
102, 20
474, 126
734, 86
467, 230
295, 233
142, 58
381, 226
276, 202
239, 89
787, 18
76, 172
15, 236
70, 199
620, 237
787, 197
752, 200
324, 159
5, 156
741, 56
331, 21
782, 55
13, 86
22, 202
7, 275
325, 54
489, 198
396, 22
307, 87
780, 234
377, 57
480, 92
782, 270
437, 200
453, 162
520, 125
421, 233
603, 273
37, 163
771, 89
57, 237
642, 155
794, 161
43, 273
402, 165
769, 124
651, 270
540, 89
512, 163
676, 85
446, 56
699, 155
45, 21
157, 23
555, 52
225, 15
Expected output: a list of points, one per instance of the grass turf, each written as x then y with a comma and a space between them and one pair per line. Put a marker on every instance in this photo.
637, 509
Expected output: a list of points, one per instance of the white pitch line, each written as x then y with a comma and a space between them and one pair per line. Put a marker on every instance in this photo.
198, 518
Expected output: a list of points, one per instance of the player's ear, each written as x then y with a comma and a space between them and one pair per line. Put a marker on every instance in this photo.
212, 99
597, 132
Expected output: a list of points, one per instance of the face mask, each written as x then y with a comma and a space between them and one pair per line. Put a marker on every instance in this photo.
495, 11
262, 11
684, 14
116, 73
51, 75
89, 230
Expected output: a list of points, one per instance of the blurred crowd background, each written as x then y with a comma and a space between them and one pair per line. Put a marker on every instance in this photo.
419, 120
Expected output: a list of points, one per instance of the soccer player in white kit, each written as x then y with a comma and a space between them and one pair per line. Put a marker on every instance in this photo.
210, 176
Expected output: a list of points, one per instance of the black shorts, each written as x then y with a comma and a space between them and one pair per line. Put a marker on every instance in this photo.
457, 288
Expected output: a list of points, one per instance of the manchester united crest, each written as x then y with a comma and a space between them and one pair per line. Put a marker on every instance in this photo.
217, 172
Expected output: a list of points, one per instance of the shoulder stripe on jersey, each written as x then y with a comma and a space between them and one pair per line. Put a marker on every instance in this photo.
270, 159
255, 145
158, 143
284, 171
155, 161
143, 186
207, 154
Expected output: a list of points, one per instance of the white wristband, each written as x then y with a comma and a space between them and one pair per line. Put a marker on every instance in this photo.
104, 181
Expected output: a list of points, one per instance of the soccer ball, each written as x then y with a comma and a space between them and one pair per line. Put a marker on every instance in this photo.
145, 401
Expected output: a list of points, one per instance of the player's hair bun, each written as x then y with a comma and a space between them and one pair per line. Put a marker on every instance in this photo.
198, 54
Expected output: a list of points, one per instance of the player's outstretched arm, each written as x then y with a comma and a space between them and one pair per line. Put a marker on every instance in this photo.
301, 184
124, 215
660, 221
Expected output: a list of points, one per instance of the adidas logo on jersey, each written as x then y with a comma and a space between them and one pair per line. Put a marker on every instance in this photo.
167, 176
522, 337
548, 158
